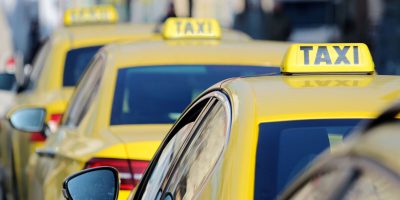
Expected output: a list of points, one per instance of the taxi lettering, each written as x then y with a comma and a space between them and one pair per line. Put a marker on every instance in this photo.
190, 28
323, 56
331, 83
97, 14
87, 15
343, 58
193, 28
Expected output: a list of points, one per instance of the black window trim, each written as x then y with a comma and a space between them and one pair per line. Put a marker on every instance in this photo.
210, 97
218, 97
188, 141
100, 55
146, 176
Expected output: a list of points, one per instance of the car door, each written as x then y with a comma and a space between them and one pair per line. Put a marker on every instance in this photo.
199, 137
43, 162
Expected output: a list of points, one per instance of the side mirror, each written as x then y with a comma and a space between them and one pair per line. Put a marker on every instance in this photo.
28, 119
93, 183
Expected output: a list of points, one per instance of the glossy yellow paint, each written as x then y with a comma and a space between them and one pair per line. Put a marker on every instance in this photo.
328, 58
123, 194
49, 91
131, 148
257, 100
262, 99
256, 53
95, 138
345, 81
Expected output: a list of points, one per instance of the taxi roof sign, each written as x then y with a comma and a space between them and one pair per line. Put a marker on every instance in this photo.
91, 15
353, 58
191, 28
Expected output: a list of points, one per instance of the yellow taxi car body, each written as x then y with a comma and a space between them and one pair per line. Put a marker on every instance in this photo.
56, 70
102, 125
246, 138
366, 166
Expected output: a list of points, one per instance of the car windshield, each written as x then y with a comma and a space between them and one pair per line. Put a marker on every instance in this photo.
76, 62
285, 148
158, 94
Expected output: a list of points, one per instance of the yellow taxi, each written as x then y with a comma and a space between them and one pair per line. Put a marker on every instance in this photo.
366, 166
246, 138
130, 96
56, 70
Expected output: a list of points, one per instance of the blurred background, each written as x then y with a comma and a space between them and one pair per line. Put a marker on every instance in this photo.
26, 24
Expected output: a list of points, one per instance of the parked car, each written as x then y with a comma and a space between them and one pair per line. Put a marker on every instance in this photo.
248, 137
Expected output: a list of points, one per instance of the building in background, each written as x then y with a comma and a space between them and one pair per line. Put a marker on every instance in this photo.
51, 12
33, 21
374, 22
7, 60
148, 11
386, 39
19, 14
153, 11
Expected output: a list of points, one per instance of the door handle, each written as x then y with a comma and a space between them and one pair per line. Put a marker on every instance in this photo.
46, 153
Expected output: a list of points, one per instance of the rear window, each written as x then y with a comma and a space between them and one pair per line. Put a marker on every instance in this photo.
76, 63
285, 148
158, 94
7, 81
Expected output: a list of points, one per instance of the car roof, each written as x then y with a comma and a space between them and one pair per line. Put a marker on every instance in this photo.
282, 98
224, 52
104, 33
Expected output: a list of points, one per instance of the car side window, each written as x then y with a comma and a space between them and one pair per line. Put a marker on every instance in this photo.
166, 160
373, 186
85, 92
201, 156
171, 150
322, 185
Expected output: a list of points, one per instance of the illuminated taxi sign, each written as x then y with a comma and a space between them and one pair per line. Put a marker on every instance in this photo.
191, 28
328, 58
90, 15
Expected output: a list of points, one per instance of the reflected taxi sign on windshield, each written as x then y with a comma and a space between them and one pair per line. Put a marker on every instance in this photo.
328, 58
191, 28
328, 81
90, 15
